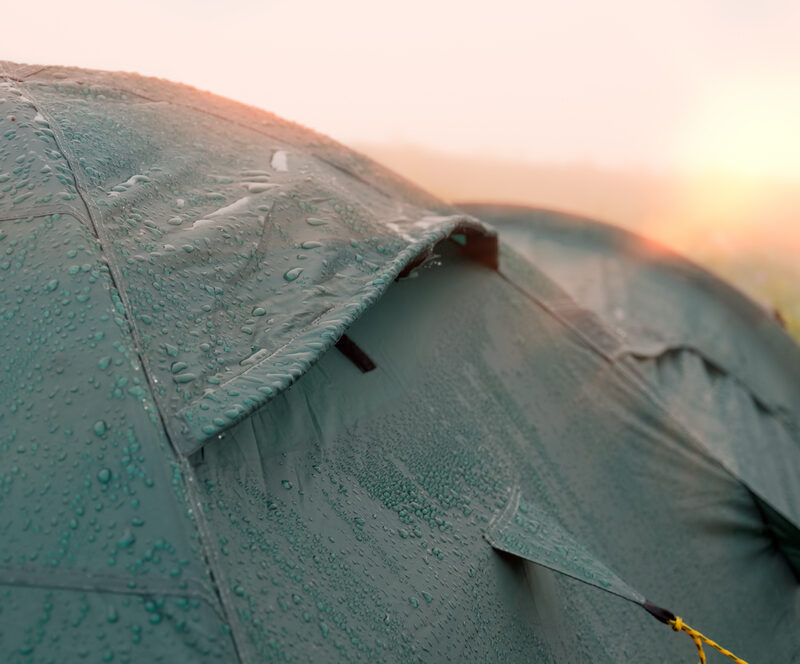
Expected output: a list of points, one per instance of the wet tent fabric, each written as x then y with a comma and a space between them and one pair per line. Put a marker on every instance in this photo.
418, 483
189, 471
241, 258
656, 301
692, 337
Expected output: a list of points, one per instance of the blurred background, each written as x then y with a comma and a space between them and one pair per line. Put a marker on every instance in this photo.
679, 120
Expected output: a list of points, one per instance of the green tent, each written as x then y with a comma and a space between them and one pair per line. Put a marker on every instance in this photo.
523, 434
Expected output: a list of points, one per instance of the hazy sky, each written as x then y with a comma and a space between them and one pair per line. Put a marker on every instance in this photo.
690, 84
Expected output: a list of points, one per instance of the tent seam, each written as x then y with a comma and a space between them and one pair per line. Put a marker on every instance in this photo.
44, 211
113, 585
542, 304
499, 523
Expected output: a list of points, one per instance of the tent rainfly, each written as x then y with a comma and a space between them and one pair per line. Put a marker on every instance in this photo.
263, 400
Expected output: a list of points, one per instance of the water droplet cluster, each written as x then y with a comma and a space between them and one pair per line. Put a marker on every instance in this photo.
229, 245
90, 494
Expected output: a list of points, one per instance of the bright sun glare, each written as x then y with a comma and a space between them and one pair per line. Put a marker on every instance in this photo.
749, 129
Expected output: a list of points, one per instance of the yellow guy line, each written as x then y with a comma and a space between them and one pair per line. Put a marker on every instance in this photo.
679, 626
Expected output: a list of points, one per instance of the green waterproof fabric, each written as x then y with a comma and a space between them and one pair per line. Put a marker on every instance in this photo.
527, 532
242, 251
721, 364
655, 300
353, 497
190, 471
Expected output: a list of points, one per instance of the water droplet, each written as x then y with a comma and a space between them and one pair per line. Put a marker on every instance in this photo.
127, 539
100, 427
280, 161
286, 484
292, 274
234, 412
259, 187
104, 475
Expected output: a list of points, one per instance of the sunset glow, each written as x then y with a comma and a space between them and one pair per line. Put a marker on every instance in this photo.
681, 120
749, 127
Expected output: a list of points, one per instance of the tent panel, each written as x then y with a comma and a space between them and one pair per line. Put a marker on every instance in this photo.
352, 509
48, 626
752, 442
91, 495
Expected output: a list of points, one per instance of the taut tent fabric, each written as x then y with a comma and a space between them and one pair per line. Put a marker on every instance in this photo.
513, 448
